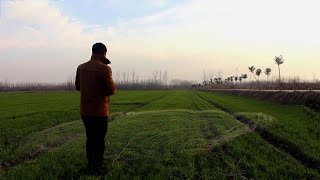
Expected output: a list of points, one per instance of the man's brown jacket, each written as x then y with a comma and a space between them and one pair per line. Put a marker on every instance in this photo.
94, 81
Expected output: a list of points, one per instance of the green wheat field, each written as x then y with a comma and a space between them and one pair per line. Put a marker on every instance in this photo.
166, 134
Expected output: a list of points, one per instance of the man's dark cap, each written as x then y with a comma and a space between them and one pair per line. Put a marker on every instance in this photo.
99, 48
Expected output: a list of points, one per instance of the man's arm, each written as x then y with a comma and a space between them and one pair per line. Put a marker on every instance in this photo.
77, 82
109, 86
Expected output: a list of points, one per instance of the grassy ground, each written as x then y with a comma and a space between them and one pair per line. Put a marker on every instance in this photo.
293, 123
153, 134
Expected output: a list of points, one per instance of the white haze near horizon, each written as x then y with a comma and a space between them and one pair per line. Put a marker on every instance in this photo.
40, 43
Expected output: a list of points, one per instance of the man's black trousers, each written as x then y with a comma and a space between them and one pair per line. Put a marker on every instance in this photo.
96, 130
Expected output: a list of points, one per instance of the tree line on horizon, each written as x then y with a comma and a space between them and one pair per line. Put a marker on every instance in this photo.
159, 79
129, 80
235, 82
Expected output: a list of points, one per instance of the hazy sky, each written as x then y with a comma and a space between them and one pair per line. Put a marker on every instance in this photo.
45, 40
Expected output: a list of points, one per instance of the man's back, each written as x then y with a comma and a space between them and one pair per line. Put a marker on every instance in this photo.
94, 81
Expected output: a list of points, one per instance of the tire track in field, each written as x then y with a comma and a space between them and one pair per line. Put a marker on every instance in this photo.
115, 115
245, 171
212, 133
43, 148
288, 147
208, 134
139, 104
197, 164
146, 103
220, 149
195, 105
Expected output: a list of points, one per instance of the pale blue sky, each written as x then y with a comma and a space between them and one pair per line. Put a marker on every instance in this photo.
45, 40
106, 12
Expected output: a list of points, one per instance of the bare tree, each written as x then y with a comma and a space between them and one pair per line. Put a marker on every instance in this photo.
160, 77
210, 74
117, 76
123, 78
70, 83
295, 81
279, 60
219, 77
220, 74
165, 77
127, 77
155, 75
133, 78
204, 76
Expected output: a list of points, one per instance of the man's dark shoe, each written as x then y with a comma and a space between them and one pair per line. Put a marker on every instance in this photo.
101, 171
97, 170
90, 168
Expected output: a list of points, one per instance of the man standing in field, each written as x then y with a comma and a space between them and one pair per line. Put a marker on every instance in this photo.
94, 81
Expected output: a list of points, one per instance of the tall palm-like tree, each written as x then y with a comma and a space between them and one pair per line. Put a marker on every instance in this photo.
244, 76
216, 80
204, 83
236, 80
258, 72
251, 69
279, 60
267, 72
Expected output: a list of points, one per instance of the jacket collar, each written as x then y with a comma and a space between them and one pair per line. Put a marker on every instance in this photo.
99, 58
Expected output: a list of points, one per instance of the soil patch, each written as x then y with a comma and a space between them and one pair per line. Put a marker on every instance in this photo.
310, 99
